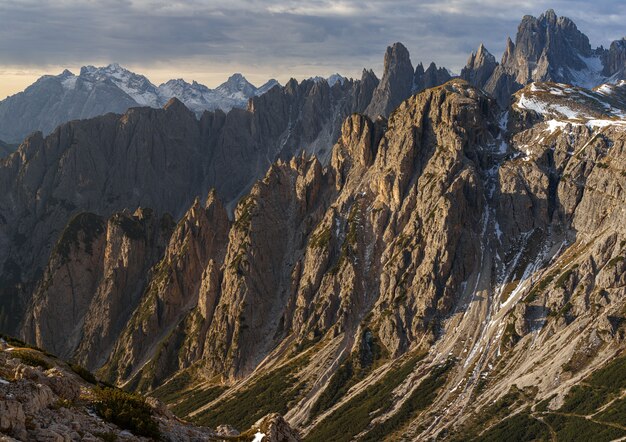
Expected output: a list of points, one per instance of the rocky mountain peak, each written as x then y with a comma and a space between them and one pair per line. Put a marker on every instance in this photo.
480, 66
396, 57
396, 83
557, 40
237, 85
509, 49
431, 77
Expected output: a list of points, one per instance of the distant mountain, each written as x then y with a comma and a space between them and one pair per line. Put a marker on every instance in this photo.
235, 92
548, 48
55, 99
331, 80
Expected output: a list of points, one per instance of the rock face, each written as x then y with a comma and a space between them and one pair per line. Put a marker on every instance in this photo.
615, 60
431, 77
441, 232
396, 83
449, 272
59, 404
93, 282
399, 81
479, 67
548, 48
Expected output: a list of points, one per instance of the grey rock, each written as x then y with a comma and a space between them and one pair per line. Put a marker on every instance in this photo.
396, 83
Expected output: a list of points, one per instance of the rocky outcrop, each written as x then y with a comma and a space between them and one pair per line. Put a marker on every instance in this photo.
431, 77
198, 241
615, 60
479, 67
56, 401
547, 48
93, 282
275, 429
396, 83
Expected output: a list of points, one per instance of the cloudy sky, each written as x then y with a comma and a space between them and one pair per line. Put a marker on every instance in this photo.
207, 40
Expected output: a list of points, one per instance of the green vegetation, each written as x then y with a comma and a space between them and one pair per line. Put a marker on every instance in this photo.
493, 414
560, 283
520, 427
582, 399
510, 336
570, 428
540, 287
613, 262
174, 388
356, 414
244, 213
83, 373
599, 388
352, 371
270, 393
29, 357
320, 239
128, 411
15, 342
131, 227
422, 397
543, 405
194, 399
349, 246
616, 413
90, 224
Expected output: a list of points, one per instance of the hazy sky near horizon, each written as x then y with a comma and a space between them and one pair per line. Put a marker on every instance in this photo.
207, 40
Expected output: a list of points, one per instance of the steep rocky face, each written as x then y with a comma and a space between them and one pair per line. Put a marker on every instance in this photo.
174, 290
161, 159
547, 48
93, 282
396, 83
101, 166
479, 67
615, 60
436, 234
326, 271
431, 77
547, 42
443, 255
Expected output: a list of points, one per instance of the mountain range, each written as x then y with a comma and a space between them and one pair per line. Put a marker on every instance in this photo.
547, 48
56, 99
418, 257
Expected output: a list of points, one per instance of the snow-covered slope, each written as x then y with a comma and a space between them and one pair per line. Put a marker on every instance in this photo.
138, 87
559, 104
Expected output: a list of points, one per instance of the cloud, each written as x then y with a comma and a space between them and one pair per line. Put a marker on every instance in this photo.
273, 38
